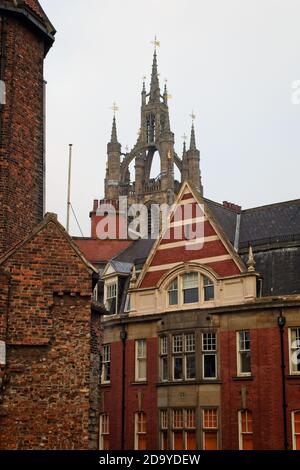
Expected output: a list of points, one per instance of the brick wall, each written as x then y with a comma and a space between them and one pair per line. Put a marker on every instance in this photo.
138, 397
21, 131
263, 391
50, 399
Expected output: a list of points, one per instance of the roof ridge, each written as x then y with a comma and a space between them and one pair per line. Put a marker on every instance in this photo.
274, 204
49, 217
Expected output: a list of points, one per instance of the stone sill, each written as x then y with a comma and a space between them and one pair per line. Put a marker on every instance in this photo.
190, 382
243, 378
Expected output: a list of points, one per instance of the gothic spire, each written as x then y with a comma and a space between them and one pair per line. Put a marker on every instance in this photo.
154, 87
114, 137
193, 138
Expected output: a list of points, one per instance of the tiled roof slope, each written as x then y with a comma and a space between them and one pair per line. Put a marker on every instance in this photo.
274, 222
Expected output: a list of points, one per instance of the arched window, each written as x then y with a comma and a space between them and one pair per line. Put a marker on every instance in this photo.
190, 288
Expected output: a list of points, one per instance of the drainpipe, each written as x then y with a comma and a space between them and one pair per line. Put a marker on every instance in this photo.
281, 324
123, 336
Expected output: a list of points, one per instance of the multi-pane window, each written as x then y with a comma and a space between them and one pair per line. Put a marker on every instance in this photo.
294, 338
104, 432
209, 289
140, 431
210, 429
209, 355
184, 358
184, 429
296, 429
245, 430
164, 422
106, 364
141, 360
190, 288
244, 353
164, 358
111, 298
173, 293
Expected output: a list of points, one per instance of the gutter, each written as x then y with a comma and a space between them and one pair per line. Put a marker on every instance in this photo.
281, 324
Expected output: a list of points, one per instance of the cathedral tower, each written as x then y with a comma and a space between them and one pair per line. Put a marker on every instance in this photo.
155, 136
26, 35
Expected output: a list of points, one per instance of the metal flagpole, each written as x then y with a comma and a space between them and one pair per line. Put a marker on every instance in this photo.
69, 188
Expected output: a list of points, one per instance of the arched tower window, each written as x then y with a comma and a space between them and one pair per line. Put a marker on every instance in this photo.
150, 128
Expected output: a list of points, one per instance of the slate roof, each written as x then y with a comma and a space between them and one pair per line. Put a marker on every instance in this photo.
260, 225
121, 267
138, 251
276, 222
225, 217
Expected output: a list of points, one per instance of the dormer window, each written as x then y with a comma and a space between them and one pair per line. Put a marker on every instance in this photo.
190, 288
111, 298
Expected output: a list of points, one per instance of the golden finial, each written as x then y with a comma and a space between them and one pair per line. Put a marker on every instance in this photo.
114, 108
155, 43
193, 116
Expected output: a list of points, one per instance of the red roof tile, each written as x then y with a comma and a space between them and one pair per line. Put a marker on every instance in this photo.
96, 250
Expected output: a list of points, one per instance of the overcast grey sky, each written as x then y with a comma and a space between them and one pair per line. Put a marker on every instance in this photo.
231, 61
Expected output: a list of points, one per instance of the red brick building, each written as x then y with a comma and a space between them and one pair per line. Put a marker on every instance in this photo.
50, 332
201, 344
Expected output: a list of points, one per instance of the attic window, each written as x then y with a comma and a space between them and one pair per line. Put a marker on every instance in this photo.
190, 288
111, 298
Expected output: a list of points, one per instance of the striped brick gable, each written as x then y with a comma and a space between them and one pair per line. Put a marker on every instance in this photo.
209, 248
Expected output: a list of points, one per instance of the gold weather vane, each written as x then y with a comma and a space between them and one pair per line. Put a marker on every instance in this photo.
155, 43
115, 108
193, 116
169, 97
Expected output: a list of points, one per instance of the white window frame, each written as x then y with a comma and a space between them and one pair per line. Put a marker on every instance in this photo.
210, 429
238, 351
180, 291
241, 433
210, 352
184, 353
106, 359
293, 429
198, 286
185, 425
163, 354
136, 432
292, 350
138, 359
108, 286
102, 434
